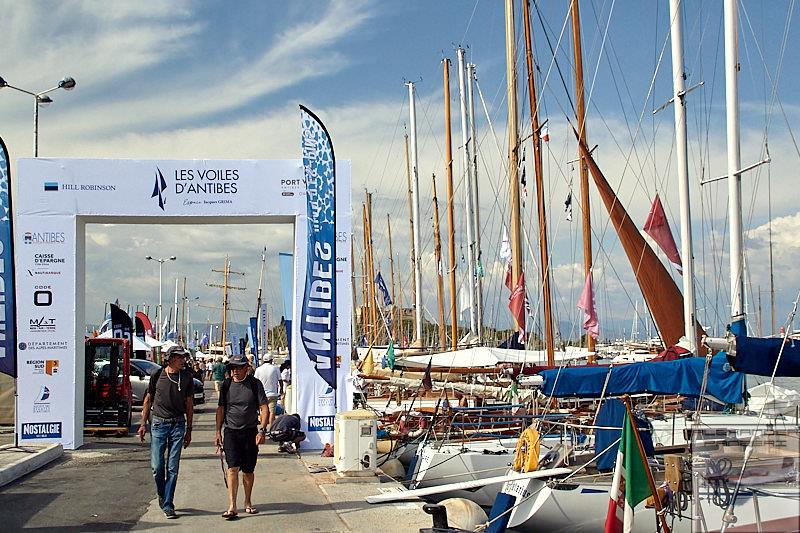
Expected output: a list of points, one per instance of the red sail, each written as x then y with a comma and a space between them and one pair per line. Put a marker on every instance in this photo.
659, 290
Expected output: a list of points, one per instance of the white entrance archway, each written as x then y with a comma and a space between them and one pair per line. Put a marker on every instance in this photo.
56, 198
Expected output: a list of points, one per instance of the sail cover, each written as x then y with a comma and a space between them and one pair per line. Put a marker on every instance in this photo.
684, 377
757, 356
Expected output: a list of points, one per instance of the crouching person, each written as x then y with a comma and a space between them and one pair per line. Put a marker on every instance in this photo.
243, 409
286, 431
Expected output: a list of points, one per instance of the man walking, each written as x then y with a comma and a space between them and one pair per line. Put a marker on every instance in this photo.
218, 374
242, 407
169, 399
270, 377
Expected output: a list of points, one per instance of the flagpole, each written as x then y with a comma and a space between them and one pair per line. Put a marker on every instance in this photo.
656, 500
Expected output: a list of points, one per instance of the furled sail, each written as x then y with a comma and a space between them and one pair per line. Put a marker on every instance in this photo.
660, 292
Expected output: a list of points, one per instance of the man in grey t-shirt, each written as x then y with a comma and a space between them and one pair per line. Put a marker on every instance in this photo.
242, 406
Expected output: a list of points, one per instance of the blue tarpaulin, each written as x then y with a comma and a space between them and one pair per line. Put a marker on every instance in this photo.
684, 376
757, 356
612, 414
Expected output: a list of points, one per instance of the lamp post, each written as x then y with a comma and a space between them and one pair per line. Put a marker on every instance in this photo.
161, 262
40, 99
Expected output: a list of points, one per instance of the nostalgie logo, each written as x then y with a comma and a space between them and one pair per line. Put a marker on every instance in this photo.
43, 345
320, 423
41, 430
43, 366
44, 237
42, 325
198, 186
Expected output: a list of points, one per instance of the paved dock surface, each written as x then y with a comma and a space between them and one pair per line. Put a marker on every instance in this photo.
107, 486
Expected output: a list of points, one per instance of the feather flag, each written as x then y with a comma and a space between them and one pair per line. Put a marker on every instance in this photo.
657, 226
586, 302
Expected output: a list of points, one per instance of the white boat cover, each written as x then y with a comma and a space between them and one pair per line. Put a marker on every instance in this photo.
777, 399
488, 357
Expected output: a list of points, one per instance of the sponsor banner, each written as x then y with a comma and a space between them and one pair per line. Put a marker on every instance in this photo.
38, 367
8, 341
315, 400
160, 187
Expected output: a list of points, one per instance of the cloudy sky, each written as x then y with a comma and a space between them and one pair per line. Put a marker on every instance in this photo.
185, 80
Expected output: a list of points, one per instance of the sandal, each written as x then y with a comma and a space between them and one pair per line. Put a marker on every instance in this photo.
250, 510
230, 515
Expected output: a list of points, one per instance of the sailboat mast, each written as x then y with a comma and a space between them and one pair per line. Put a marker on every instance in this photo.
476, 219
258, 302
437, 248
513, 145
412, 110
410, 196
224, 325
448, 143
537, 163
376, 329
738, 325
182, 323
365, 301
580, 110
391, 268
468, 198
679, 105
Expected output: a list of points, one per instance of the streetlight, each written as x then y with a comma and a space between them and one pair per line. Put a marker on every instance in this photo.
40, 99
161, 262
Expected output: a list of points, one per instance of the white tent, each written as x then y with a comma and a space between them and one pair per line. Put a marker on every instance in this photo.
152, 341
138, 345
483, 357
169, 346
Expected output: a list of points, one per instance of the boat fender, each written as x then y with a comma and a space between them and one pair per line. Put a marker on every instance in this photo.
463, 514
526, 455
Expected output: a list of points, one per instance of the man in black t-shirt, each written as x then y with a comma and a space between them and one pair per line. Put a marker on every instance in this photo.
242, 407
169, 398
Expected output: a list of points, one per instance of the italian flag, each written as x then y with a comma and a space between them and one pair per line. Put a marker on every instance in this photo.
630, 486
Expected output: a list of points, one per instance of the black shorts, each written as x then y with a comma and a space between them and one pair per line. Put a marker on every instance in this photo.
240, 448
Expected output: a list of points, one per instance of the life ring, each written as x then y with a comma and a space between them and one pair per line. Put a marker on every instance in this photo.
526, 455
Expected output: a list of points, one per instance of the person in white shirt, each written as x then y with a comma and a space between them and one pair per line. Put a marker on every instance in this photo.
269, 375
286, 381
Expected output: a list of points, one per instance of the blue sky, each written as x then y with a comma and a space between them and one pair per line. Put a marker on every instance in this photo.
219, 80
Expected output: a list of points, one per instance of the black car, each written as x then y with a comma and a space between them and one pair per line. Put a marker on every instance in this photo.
142, 369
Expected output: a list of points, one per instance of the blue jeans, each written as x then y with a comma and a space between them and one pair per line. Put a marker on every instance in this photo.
167, 439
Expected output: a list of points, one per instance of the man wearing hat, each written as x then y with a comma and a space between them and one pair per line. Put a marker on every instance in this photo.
169, 400
243, 409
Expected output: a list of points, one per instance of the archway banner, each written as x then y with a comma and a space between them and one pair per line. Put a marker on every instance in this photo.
8, 337
57, 198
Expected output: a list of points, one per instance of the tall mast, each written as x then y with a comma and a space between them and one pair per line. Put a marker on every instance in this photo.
468, 198
679, 105
513, 145
475, 203
410, 196
738, 325
448, 143
399, 305
412, 110
376, 329
224, 325
353, 322
391, 267
263, 347
366, 305
537, 163
182, 323
175, 323
437, 248
584, 172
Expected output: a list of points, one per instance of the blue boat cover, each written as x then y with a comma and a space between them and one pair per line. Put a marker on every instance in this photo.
684, 376
757, 356
612, 414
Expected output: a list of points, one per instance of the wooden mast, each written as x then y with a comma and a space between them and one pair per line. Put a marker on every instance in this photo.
513, 145
411, 226
365, 305
376, 331
226, 272
450, 217
584, 171
537, 161
437, 248
391, 267
354, 322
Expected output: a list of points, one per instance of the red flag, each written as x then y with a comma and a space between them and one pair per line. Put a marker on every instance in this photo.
427, 381
516, 304
657, 226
